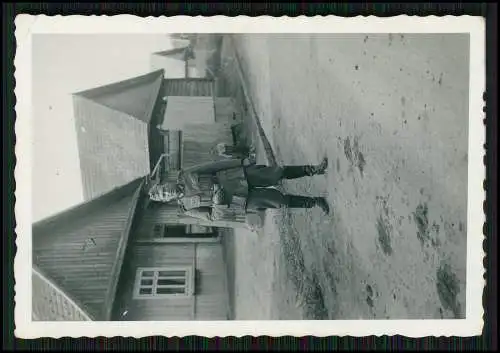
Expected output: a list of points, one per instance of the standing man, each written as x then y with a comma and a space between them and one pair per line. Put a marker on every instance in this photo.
211, 190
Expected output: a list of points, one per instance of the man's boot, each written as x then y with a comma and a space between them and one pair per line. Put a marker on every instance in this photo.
323, 203
299, 171
320, 168
294, 201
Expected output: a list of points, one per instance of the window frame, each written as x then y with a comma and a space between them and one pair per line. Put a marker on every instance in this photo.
188, 282
163, 230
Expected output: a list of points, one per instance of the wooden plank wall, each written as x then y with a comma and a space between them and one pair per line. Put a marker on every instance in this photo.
188, 110
169, 142
210, 301
213, 120
162, 255
174, 149
188, 87
49, 303
157, 214
199, 141
226, 110
79, 256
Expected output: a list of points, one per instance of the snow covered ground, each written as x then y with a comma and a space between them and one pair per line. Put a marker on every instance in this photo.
391, 113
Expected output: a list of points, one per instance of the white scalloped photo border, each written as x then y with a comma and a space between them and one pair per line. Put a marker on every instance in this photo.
28, 25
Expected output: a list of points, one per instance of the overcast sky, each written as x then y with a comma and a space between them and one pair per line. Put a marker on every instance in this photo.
64, 64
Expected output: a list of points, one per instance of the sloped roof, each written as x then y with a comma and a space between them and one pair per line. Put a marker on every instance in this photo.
78, 254
112, 132
177, 53
135, 97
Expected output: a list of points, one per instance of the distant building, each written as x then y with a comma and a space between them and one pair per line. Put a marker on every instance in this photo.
184, 36
180, 42
178, 63
193, 55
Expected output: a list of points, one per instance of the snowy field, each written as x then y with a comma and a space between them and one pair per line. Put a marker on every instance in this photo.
391, 113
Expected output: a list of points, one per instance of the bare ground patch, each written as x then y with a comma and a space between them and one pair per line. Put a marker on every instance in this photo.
448, 287
310, 296
384, 237
422, 221
353, 154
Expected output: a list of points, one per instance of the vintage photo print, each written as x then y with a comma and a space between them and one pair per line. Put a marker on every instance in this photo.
249, 176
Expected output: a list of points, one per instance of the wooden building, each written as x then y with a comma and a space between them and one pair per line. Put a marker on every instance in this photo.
178, 63
119, 256
198, 59
123, 128
112, 127
113, 258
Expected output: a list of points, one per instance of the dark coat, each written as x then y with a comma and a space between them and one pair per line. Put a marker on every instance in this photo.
236, 181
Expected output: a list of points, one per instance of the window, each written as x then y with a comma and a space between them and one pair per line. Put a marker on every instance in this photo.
159, 230
200, 231
181, 231
153, 283
168, 231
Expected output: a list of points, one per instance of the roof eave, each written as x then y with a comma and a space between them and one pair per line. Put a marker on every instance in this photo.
154, 97
169, 51
107, 87
120, 254
116, 192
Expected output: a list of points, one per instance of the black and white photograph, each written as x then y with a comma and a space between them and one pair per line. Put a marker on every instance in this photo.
261, 178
